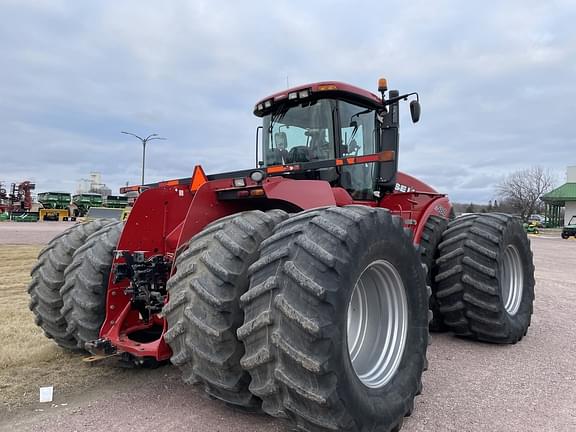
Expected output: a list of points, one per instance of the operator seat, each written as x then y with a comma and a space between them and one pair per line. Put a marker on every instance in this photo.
299, 154
320, 148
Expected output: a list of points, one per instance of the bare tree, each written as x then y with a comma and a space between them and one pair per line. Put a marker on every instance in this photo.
522, 189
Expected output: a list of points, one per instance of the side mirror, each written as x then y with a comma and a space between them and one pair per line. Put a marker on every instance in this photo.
415, 111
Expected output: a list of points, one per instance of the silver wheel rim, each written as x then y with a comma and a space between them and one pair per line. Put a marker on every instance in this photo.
377, 324
511, 279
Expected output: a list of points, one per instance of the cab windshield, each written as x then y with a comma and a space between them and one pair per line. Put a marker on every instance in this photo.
324, 129
300, 134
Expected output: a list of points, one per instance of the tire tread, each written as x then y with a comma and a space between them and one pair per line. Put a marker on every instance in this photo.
468, 280
209, 281
48, 278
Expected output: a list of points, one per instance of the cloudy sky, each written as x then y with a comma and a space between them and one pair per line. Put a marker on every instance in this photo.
497, 82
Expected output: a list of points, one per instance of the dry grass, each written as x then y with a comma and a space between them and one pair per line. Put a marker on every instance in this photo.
28, 359
22, 341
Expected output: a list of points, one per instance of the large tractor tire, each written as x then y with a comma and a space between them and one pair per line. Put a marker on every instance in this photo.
431, 238
86, 284
48, 279
336, 321
486, 278
203, 310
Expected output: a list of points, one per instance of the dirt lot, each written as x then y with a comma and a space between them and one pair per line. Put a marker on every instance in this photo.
470, 386
27, 358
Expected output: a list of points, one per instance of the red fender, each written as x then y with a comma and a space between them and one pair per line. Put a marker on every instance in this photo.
415, 201
206, 208
438, 207
416, 207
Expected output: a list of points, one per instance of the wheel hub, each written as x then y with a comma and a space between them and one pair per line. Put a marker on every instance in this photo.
511, 279
377, 324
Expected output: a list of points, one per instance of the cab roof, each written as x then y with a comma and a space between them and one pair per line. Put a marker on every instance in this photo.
324, 89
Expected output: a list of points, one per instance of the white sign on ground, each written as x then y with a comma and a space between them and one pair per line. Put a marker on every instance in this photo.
46, 394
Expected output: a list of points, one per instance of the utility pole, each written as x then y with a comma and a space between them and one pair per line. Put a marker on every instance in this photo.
144, 141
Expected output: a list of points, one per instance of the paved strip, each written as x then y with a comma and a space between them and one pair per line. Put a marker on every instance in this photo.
30, 233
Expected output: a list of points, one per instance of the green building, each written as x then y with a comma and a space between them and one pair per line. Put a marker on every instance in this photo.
563, 197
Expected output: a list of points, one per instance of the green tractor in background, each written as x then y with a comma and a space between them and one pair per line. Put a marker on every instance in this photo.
531, 228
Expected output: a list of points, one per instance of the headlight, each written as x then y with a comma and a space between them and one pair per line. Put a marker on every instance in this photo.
257, 176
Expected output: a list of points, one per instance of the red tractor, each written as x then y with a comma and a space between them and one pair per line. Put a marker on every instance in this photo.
305, 286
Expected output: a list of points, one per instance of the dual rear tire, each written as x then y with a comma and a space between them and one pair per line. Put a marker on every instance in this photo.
60, 297
429, 241
86, 284
336, 322
485, 278
329, 308
203, 311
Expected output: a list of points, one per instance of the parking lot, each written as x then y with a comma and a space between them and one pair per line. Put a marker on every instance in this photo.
470, 386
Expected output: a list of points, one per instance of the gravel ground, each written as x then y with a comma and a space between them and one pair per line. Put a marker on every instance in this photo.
470, 386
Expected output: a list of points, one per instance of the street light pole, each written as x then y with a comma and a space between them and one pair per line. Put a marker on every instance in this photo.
144, 141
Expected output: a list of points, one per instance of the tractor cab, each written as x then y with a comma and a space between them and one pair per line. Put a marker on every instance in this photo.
331, 120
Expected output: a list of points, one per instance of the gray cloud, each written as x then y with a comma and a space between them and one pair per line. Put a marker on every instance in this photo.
496, 83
